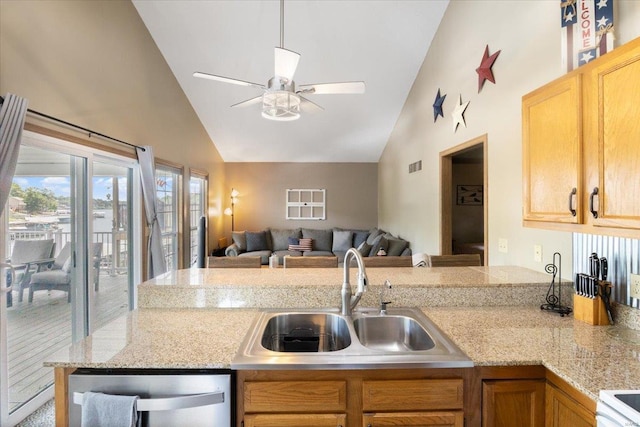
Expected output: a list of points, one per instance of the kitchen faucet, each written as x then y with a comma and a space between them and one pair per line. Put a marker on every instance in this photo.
349, 301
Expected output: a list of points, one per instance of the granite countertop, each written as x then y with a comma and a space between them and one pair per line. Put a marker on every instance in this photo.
588, 357
320, 287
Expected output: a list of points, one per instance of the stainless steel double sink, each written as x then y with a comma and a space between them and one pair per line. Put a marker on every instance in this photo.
325, 339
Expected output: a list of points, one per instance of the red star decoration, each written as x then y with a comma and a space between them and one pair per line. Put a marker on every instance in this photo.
484, 70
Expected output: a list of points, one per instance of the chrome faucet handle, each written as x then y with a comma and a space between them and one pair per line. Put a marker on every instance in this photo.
383, 303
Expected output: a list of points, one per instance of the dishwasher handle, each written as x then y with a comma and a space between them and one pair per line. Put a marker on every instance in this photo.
170, 403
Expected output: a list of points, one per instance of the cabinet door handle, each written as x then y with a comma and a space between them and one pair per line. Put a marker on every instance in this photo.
574, 190
593, 194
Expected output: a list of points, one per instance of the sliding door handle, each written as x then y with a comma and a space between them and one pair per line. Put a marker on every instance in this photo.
571, 197
13, 277
594, 193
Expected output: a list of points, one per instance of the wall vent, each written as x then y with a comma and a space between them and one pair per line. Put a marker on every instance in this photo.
415, 166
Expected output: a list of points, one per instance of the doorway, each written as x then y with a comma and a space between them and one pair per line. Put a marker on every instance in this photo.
81, 204
464, 204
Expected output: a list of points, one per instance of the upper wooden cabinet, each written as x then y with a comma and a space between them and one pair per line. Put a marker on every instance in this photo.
581, 156
552, 152
612, 130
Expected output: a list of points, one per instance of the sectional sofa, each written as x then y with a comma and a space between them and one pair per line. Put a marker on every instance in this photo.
323, 242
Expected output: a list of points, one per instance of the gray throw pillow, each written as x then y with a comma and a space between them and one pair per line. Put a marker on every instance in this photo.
342, 241
396, 246
280, 238
257, 241
373, 234
380, 243
321, 238
240, 239
364, 249
359, 236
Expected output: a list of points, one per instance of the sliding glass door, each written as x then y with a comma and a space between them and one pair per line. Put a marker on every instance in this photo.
111, 278
70, 247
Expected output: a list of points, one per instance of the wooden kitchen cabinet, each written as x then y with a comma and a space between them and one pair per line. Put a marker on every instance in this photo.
612, 129
507, 403
295, 420
352, 398
552, 152
415, 419
580, 132
565, 406
421, 396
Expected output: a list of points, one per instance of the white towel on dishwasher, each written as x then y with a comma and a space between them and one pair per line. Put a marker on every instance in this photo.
109, 410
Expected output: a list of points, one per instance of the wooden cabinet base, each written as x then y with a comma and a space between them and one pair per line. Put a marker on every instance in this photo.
295, 420
414, 419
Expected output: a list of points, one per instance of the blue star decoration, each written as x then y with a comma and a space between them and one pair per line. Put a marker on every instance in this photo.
437, 106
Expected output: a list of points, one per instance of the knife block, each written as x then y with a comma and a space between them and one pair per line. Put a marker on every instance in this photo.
591, 310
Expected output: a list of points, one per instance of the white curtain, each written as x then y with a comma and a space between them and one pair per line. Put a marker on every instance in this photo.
155, 251
12, 115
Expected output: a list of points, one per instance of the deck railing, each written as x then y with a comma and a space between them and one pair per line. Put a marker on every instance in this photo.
114, 246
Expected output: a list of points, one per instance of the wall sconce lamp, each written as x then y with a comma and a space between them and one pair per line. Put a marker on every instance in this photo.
230, 211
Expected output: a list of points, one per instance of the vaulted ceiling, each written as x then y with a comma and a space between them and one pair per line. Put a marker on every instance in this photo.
380, 42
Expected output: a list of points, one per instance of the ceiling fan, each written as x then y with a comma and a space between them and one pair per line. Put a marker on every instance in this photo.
280, 99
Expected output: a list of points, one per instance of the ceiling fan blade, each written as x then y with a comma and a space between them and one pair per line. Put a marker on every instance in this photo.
333, 88
226, 79
248, 102
310, 105
286, 62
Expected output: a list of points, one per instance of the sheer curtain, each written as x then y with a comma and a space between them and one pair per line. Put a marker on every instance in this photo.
155, 252
12, 115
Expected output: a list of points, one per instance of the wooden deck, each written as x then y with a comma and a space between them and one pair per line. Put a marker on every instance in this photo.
39, 329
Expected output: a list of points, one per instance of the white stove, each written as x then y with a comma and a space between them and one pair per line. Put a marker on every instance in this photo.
618, 408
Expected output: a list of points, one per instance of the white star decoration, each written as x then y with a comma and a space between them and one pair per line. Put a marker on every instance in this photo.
602, 22
458, 114
586, 57
568, 17
602, 3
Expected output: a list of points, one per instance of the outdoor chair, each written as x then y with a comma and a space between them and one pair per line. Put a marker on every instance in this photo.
58, 277
27, 258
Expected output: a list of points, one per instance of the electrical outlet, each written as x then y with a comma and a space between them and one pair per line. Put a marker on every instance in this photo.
503, 245
537, 253
635, 286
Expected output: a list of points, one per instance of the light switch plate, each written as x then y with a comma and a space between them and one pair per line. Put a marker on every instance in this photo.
537, 253
503, 245
635, 286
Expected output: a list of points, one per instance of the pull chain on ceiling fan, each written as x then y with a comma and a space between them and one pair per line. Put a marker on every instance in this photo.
280, 100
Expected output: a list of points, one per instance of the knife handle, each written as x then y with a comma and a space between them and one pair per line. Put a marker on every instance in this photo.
604, 268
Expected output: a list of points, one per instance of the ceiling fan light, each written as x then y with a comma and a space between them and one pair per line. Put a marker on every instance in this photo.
280, 105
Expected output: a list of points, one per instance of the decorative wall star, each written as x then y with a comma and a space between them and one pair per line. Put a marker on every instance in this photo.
437, 106
458, 114
484, 70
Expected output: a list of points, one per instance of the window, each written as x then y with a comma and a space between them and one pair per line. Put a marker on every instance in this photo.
168, 180
306, 204
197, 208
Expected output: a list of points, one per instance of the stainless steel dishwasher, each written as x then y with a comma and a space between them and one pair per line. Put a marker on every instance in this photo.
167, 397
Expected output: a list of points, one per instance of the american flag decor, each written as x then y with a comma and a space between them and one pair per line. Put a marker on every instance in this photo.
587, 30
301, 245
